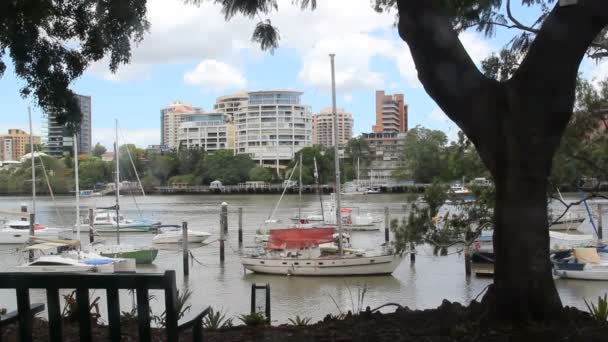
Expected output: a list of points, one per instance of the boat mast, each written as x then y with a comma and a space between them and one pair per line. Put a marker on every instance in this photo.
319, 188
358, 174
29, 112
117, 184
77, 186
300, 192
336, 155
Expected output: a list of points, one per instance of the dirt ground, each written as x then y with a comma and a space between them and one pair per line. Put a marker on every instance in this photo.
449, 322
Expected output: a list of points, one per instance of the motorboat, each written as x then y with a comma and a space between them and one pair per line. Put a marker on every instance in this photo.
105, 222
18, 232
175, 235
583, 264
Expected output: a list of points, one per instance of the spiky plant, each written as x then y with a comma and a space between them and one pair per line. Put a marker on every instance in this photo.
216, 320
255, 319
300, 321
599, 312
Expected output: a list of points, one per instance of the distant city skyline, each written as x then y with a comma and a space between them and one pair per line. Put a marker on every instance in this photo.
178, 62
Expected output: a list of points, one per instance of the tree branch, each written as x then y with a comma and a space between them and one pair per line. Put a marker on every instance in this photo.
517, 23
445, 69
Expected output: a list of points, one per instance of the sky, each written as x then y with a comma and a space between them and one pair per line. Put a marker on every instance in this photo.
192, 54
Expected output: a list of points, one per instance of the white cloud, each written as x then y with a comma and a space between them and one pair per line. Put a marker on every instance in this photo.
215, 75
348, 98
438, 115
141, 137
125, 73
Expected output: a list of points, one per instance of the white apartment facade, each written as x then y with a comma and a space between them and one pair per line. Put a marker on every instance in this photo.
323, 127
210, 132
170, 119
272, 127
230, 104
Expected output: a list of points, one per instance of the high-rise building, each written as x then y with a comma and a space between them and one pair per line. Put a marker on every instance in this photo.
273, 126
391, 113
59, 141
385, 152
210, 132
14, 144
231, 104
170, 119
323, 127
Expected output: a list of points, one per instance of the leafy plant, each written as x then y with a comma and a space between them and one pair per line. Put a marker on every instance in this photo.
71, 309
254, 319
129, 317
216, 320
182, 307
300, 321
599, 312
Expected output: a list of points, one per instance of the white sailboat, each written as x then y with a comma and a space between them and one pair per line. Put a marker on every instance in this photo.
297, 251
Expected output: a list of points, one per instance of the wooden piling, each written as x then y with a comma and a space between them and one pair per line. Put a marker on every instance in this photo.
24, 210
240, 227
185, 249
412, 253
387, 224
91, 225
32, 222
467, 260
600, 233
223, 229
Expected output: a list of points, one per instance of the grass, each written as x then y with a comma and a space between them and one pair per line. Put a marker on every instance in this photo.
599, 312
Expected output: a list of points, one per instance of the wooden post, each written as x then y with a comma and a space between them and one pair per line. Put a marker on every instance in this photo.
32, 220
412, 253
240, 227
268, 302
600, 233
223, 229
253, 287
24, 210
225, 205
185, 249
91, 223
467, 260
387, 224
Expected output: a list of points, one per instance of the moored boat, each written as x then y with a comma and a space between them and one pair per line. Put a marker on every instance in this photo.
175, 235
142, 255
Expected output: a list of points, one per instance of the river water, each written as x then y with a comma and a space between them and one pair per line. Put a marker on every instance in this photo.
422, 285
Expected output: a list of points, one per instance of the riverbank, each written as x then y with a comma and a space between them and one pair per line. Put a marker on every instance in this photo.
448, 322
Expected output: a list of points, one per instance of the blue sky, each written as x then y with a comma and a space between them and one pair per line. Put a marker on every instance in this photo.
191, 54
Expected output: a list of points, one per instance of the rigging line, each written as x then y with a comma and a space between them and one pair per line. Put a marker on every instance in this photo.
48, 183
143, 193
283, 194
136, 175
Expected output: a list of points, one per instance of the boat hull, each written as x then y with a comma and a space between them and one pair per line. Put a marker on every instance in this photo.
142, 256
21, 236
109, 268
348, 266
136, 228
193, 237
583, 275
568, 224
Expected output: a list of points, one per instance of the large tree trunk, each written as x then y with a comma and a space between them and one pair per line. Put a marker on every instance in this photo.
516, 127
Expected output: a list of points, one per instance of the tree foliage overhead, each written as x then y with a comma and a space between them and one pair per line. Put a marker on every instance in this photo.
51, 43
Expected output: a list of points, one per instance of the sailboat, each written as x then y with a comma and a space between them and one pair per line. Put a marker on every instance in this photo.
297, 251
142, 255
